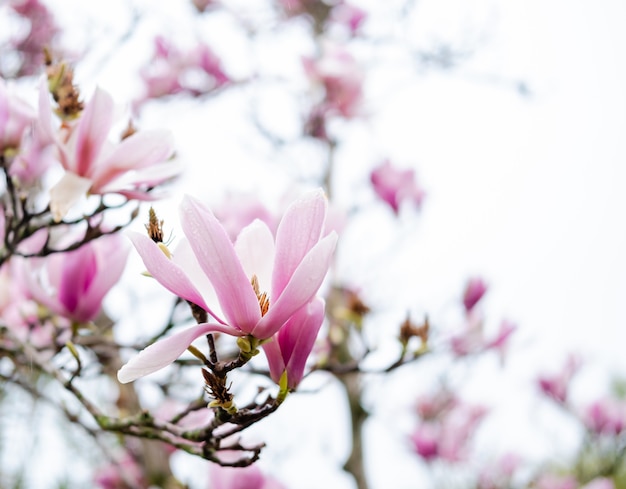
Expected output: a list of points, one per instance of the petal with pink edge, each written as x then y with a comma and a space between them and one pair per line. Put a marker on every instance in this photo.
93, 129
166, 351
299, 230
216, 255
164, 270
302, 287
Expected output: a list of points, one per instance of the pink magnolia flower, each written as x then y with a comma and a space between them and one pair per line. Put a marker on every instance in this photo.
342, 78
500, 474
556, 386
473, 339
124, 474
36, 147
96, 166
261, 284
474, 291
606, 416
554, 481
249, 477
447, 437
15, 117
73, 284
39, 36
395, 186
172, 70
348, 15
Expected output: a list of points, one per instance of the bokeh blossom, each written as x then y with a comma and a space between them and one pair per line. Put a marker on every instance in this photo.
241, 478
171, 70
74, 283
395, 186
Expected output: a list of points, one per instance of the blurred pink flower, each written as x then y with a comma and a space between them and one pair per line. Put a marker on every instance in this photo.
36, 153
395, 186
448, 435
553, 481
125, 474
342, 79
73, 284
556, 386
171, 71
15, 117
499, 475
249, 477
96, 166
21, 314
472, 339
40, 35
349, 16
474, 291
606, 416
291, 267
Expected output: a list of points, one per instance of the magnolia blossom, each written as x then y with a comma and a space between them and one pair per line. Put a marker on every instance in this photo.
96, 166
556, 386
172, 70
73, 284
606, 416
15, 117
474, 291
249, 477
261, 284
39, 36
342, 78
395, 186
120, 474
348, 15
473, 339
36, 153
447, 436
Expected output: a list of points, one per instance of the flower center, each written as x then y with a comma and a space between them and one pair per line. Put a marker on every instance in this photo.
264, 300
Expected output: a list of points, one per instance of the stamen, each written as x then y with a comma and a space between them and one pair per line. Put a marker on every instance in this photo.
264, 301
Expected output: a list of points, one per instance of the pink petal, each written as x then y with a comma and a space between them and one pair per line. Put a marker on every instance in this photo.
255, 249
79, 271
141, 150
111, 253
92, 131
297, 337
217, 257
166, 351
139, 184
304, 284
299, 229
168, 273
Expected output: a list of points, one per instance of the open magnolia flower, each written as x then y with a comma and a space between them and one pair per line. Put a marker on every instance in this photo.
94, 165
261, 284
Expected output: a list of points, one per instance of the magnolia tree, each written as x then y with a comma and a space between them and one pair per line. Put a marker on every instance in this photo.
167, 336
